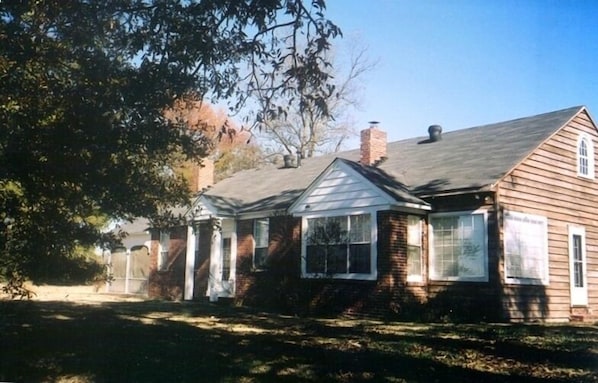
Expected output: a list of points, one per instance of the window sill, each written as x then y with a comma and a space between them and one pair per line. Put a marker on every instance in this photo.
586, 177
415, 279
523, 281
457, 279
354, 277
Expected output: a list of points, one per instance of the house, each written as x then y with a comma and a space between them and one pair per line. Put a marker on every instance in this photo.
496, 222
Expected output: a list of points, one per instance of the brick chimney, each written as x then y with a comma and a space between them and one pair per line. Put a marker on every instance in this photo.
373, 144
203, 175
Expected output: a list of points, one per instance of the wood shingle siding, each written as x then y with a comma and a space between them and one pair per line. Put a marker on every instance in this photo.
546, 183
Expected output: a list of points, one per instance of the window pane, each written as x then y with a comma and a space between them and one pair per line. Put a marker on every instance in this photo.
314, 260
260, 258
325, 231
526, 256
315, 225
577, 261
261, 232
413, 230
359, 258
226, 258
336, 230
471, 257
444, 257
414, 263
360, 228
337, 259
583, 157
459, 246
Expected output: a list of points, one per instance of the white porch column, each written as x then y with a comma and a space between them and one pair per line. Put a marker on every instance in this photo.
190, 264
215, 278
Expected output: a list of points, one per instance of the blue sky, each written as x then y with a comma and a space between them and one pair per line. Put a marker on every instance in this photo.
464, 63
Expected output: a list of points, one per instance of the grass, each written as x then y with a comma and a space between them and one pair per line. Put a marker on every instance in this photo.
191, 342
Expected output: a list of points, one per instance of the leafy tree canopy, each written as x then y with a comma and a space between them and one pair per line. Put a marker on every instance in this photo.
84, 88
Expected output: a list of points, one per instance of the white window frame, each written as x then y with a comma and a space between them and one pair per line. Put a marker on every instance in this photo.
414, 239
434, 275
163, 249
588, 157
523, 219
579, 295
255, 244
372, 275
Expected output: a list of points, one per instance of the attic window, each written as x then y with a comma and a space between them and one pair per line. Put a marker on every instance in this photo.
585, 156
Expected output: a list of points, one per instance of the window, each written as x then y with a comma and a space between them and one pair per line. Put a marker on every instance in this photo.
338, 246
526, 248
163, 250
226, 258
458, 247
261, 230
578, 266
577, 261
414, 249
585, 156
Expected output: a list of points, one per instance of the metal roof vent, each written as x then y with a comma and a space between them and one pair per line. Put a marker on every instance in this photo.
435, 132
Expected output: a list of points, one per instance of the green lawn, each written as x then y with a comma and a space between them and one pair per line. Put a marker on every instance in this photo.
190, 342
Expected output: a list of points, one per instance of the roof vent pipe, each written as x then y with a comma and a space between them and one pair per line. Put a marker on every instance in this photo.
435, 132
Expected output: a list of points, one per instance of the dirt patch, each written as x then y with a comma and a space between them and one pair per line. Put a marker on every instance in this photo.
79, 294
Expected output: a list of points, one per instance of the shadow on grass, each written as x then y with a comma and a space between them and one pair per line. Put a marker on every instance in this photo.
149, 341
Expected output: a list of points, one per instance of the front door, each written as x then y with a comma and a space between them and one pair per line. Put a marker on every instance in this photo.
226, 266
222, 260
577, 266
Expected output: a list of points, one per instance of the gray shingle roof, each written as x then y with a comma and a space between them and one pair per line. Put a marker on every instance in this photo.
268, 188
467, 159
472, 158
392, 185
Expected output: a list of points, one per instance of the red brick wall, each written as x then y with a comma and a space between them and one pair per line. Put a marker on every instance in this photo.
273, 286
168, 283
281, 286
